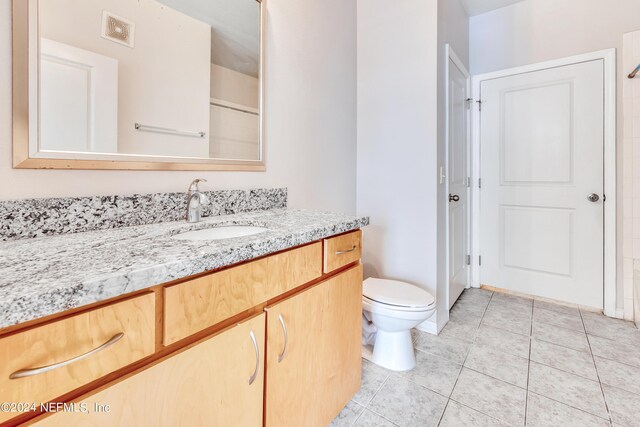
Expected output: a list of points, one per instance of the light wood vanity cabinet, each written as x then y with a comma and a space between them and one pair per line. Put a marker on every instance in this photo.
342, 250
313, 352
218, 382
200, 303
272, 342
71, 337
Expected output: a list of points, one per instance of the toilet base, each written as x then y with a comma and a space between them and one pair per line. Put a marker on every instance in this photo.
394, 350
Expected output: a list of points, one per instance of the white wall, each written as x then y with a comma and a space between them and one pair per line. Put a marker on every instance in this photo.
538, 30
234, 87
310, 115
397, 139
162, 81
234, 134
631, 178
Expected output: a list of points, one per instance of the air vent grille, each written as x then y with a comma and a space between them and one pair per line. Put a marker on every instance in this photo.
117, 29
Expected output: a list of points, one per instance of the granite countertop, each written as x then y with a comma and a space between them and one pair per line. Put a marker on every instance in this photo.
44, 276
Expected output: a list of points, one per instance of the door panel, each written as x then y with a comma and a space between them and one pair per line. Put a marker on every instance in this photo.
78, 99
206, 385
531, 153
320, 363
541, 156
458, 174
527, 224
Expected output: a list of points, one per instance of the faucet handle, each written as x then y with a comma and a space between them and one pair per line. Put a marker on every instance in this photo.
194, 184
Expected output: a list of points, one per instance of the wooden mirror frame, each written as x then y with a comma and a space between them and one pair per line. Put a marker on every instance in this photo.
25, 58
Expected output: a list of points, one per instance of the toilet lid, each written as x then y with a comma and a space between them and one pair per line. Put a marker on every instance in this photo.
393, 292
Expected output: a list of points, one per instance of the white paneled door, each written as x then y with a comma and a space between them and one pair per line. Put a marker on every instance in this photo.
542, 212
458, 173
78, 99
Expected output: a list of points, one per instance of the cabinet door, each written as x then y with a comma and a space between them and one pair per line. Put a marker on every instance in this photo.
52, 343
314, 368
207, 385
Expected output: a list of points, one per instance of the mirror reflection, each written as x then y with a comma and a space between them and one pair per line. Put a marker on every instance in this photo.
171, 78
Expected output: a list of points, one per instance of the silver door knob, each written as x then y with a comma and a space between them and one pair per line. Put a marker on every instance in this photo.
593, 197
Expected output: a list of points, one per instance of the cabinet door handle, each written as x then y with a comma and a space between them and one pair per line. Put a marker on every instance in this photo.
42, 369
255, 346
346, 252
286, 339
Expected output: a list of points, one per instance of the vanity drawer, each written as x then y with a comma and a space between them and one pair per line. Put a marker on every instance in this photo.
195, 305
342, 250
109, 337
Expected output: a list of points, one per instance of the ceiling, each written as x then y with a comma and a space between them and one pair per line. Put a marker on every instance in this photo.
476, 7
235, 30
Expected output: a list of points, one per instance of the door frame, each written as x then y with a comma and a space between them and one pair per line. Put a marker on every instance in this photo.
451, 56
610, 186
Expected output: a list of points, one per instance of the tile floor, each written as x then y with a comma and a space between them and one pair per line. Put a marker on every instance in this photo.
504, 360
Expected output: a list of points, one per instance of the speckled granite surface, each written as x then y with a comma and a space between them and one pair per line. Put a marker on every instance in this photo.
39, 277
29, 218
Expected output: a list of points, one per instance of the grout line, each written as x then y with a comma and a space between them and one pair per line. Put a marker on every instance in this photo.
425, 387
492, 377
506, 330
559, 345
604, 398
377, 391
563, 327
465, 359
440, 357
380, 415
616, 361
355, 422
478, 411
499, 326
566, 404
359, 415
526, 396
566, 372
444, 410
605, 338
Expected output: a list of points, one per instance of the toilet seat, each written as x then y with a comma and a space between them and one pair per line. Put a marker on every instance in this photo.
396, 295
396, 308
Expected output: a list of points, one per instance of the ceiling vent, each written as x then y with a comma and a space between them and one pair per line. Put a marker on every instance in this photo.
117, 29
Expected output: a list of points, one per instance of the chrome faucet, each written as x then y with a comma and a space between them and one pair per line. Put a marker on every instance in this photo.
195, 201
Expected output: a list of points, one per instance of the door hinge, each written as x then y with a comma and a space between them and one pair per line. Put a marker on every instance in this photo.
468, 182
479, 104
468, 259
480, 260
469, 102
479, 182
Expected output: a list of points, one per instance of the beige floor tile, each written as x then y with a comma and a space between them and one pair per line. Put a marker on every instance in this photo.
502, 400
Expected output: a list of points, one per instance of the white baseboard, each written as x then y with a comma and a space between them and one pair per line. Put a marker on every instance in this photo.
430, 326
367, 352
617, 314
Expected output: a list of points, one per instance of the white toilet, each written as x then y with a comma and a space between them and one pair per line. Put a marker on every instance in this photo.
395, 308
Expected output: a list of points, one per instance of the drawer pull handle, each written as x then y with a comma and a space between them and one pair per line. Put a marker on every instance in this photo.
255, 346
286, 339
346, 252
41, 370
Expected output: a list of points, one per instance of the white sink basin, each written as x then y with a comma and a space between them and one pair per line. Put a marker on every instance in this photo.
219, 233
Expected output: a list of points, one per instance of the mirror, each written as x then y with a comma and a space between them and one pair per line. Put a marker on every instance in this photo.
144, 84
